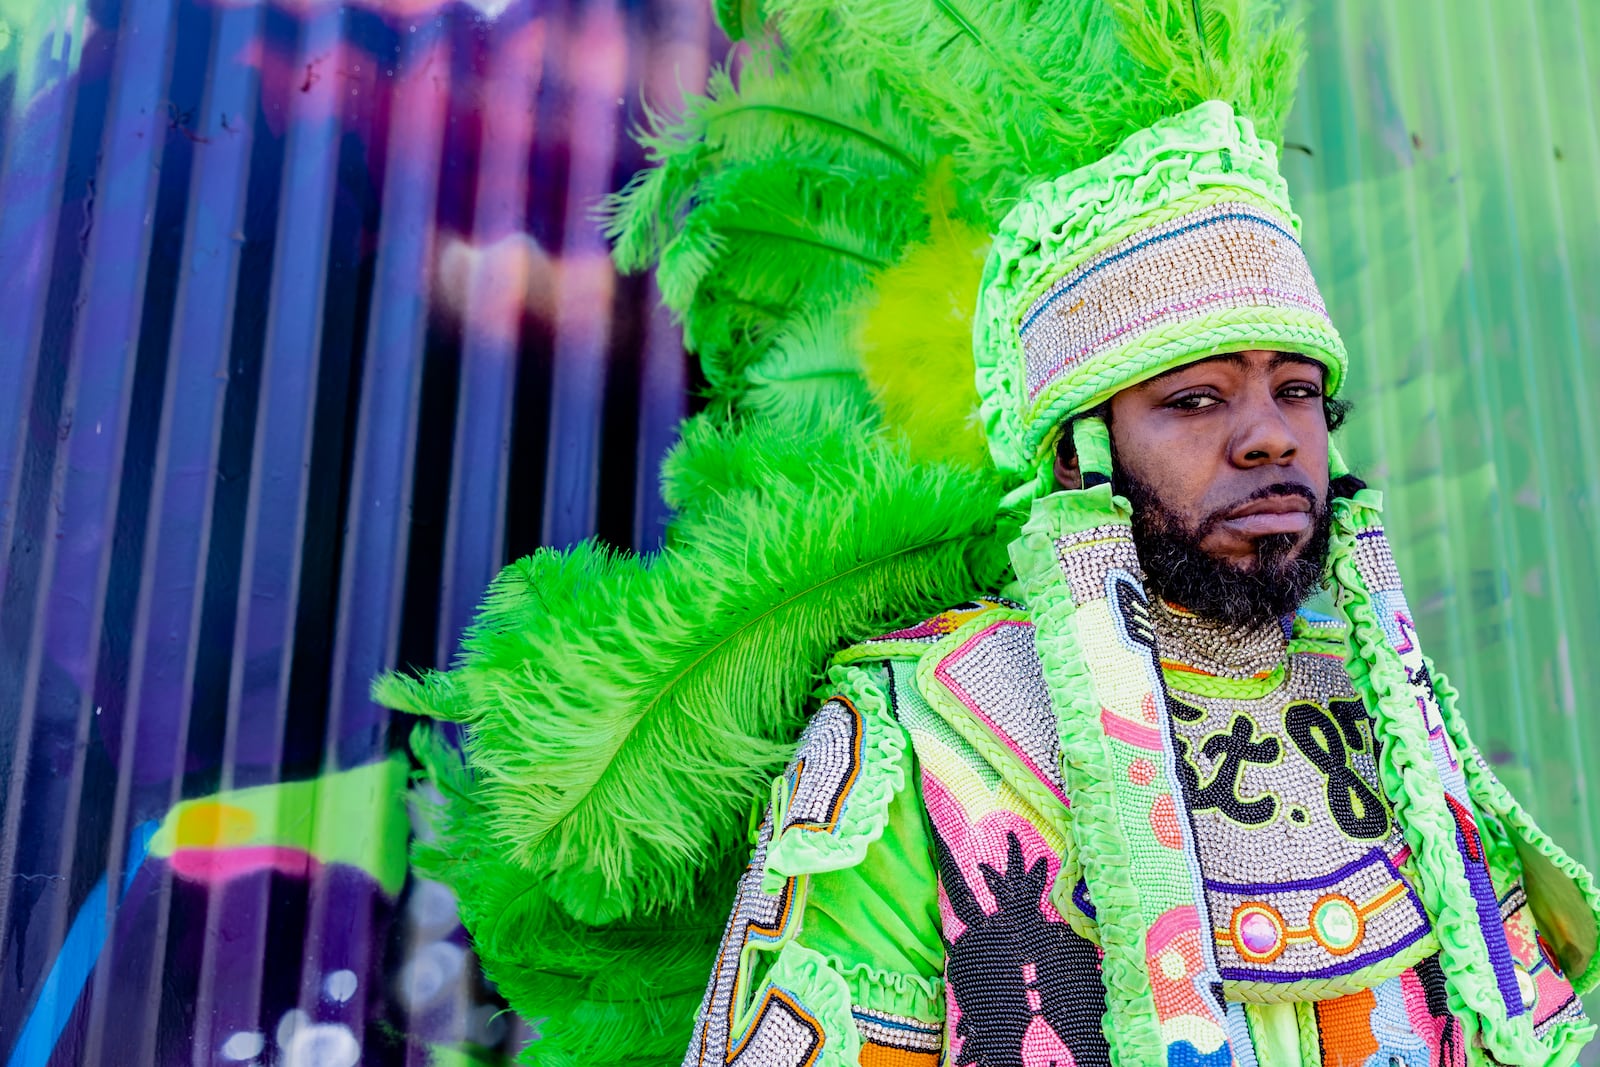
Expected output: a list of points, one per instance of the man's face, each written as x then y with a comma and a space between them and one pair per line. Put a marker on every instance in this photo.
1226, 464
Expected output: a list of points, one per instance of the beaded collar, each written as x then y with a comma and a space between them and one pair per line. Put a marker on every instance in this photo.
1188, 641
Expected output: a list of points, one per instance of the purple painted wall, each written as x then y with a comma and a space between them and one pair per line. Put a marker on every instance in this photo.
308, 329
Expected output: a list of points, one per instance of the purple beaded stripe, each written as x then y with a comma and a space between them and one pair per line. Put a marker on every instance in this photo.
1227, 255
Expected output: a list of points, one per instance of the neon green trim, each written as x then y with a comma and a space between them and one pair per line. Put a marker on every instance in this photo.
1205, 685
1314, 989
898, 994
798, 850
1488, 792
1132, 1027
1310, 1034
876, 651
822, 992
1412, 783
1275, 1033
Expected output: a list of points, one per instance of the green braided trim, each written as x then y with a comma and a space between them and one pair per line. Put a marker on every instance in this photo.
1412, 782
1487, 790
1305, 1014
891, 991
1175, 345
798, 850
1205, 685
1131, 1025
1309, 989
876, 651
820, 991
1044, 804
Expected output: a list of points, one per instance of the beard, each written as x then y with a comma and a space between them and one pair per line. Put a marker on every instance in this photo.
1179, 571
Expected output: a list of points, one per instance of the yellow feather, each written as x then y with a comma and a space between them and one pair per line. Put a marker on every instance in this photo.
915, 337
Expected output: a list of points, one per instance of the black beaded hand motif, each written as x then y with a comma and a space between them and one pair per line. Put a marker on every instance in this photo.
1013, 964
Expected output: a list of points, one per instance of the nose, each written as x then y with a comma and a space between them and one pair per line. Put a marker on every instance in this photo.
1263, 435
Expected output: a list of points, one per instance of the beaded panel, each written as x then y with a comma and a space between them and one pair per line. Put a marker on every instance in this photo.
824, 768
1375, 564
1229, 255
1403, 1022
996, 674
897, 1040
1297, 843
1088, 555
783, 1033
1545, 990
1022, 985
1191, 643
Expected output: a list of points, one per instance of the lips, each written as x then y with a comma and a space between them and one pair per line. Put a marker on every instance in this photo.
1278, 514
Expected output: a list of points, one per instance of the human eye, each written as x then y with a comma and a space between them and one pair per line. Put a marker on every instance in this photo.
1300, 391
1193, 401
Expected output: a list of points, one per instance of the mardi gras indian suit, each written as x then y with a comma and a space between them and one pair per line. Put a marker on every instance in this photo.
1063, 822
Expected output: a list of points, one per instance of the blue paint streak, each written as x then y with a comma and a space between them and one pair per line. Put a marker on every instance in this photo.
80, 950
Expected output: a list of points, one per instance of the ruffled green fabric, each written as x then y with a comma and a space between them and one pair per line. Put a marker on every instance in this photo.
1131, 1024
1206, 154
822, 992
897, 993
1577, 950
882, 775
1412, 783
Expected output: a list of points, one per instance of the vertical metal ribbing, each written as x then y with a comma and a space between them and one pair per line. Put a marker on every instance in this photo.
339, 930
31, 172
587, 280
503, 263
56, 708
236, 944
166, 626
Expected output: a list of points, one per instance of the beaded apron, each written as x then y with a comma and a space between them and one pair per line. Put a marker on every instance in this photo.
1299, 850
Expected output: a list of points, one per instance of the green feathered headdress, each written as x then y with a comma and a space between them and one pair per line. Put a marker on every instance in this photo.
869, 186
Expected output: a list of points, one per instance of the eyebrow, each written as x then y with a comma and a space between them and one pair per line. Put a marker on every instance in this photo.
1279, 359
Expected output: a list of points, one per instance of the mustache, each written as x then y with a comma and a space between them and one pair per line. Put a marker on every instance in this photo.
1299, 489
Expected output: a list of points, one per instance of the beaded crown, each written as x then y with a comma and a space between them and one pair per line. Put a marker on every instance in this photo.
1178, 245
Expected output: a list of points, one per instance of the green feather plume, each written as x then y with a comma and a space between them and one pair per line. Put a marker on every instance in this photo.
620, 717
621, 992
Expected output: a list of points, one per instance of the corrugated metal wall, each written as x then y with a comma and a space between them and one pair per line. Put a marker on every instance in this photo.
305, 328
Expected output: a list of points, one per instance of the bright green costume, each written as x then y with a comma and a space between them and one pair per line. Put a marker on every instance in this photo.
1061, 823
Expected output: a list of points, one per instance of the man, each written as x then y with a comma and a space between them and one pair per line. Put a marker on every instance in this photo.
1179, 787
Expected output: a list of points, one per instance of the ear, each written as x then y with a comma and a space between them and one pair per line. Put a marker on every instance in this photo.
1068, 474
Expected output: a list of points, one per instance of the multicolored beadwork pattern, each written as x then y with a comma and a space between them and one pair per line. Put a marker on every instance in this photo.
1403, 1022
889, 1040
1227, 255
1021, 985
1298, 845
1375, 564
784, 1033
1115, 633
821, 775
995, 674
1545, 990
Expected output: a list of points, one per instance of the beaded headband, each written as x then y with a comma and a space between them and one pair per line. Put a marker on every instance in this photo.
1177, 246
